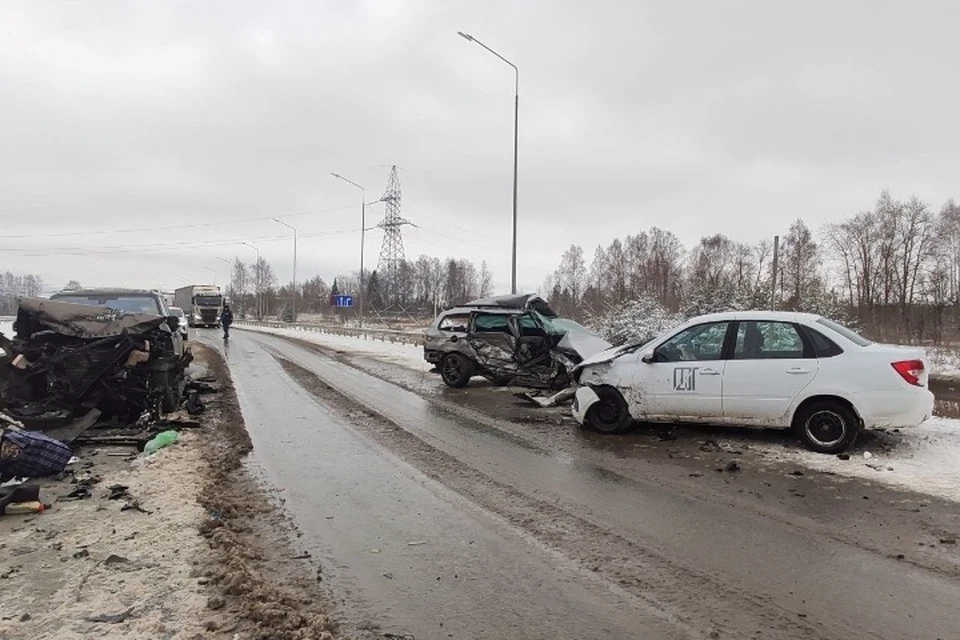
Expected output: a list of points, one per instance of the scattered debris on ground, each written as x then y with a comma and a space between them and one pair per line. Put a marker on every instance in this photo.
129, 545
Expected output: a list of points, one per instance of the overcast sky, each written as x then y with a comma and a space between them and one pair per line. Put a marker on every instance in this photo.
698, 117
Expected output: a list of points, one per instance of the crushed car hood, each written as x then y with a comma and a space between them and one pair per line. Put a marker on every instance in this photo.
583, 343
82, 321
608, 354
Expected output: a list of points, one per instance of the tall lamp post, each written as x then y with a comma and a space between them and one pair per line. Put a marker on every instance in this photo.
290, 226
229, 269
363, 230
256, 271
516, 123
214, 272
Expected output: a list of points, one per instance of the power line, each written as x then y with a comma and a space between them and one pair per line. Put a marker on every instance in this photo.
177, 226
83, 251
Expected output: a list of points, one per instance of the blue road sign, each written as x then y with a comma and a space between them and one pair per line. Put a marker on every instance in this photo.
343, 301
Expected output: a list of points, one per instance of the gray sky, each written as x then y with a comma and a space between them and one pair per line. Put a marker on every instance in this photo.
698, 117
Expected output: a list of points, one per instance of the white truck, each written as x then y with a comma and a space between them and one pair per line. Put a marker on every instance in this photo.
201, 304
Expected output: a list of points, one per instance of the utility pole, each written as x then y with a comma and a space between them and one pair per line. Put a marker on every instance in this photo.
776, 264
256, 282
290, 226
363, 229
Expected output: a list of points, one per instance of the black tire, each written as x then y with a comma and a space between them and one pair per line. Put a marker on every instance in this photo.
610, 414
827, 426
456, 370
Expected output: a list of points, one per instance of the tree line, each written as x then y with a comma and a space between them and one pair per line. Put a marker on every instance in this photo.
14, 286
422, 287
894, 271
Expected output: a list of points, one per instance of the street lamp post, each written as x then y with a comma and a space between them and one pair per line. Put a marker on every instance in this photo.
516, 140
363, 229
214, 272
289, 226
257, 281
229, 274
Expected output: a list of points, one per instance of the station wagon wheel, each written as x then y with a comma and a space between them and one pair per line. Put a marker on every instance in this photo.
827, 427
610, 414
456, 370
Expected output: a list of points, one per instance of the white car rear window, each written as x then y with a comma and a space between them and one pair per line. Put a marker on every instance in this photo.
849, 334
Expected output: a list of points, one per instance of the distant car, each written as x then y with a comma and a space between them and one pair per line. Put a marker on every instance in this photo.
507, 345
183, 327
774, 369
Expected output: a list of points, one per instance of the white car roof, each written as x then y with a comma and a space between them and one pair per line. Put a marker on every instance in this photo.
783, 316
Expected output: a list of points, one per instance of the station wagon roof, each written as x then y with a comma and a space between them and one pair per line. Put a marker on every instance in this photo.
504, 311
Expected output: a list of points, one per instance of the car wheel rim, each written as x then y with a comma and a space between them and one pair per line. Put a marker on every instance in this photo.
608, 412
826, 428
452, 369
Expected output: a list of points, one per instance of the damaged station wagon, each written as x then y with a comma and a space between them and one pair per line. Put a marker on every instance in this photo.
524, 344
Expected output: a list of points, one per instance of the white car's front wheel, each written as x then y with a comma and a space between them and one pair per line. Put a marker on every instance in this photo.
610, 413
827, 426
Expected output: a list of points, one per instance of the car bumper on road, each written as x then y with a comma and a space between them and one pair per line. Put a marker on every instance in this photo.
433, 357
582, 401
907, 408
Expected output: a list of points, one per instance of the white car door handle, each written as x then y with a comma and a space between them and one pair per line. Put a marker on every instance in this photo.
798, 371
708, 372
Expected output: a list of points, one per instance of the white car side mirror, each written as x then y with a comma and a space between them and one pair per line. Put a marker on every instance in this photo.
646, 356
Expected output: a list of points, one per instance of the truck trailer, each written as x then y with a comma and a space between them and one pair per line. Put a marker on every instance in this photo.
201, 304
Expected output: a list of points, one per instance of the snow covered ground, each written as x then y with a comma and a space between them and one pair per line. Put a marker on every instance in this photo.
944, 361
925, 459
6, 326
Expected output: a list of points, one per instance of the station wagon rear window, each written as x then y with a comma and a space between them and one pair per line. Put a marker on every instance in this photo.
454, 323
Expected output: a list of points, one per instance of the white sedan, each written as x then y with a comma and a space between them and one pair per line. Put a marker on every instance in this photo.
774, 369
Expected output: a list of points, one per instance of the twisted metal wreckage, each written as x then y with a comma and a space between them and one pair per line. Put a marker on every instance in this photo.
69, 360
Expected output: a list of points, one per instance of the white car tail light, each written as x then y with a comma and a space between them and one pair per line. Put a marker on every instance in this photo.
910, 370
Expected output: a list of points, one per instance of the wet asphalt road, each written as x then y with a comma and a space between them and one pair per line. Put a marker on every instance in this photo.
436, 525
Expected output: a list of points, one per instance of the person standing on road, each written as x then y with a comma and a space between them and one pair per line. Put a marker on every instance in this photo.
226, 319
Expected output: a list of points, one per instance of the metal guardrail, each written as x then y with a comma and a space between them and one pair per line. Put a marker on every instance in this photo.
384, 335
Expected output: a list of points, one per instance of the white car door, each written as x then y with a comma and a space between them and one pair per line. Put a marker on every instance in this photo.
684, 379
770, 365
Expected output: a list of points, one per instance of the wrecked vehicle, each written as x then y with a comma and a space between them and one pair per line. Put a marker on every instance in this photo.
68, 359
769, 369
523, 301
508, 346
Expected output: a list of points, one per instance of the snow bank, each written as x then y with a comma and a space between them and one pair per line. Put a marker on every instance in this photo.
925, 459
944, 362
405, 355
6, 326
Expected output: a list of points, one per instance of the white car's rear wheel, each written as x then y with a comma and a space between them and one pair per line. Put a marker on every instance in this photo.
827, 427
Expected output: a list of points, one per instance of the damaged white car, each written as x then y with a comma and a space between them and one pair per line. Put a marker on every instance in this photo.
772, 369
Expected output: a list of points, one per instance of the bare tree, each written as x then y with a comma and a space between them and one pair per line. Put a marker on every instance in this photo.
801, 272
486, 281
